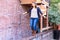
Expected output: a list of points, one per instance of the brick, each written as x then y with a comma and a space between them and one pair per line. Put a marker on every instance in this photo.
13, 25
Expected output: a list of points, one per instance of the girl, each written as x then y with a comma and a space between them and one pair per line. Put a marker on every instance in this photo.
34, 13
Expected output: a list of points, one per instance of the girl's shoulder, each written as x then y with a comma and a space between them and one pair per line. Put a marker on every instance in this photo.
38, 8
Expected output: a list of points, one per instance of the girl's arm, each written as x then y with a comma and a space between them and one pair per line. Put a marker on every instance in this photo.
40, 11
27, 11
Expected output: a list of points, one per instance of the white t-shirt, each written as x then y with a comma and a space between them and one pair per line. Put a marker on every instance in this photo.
34, 13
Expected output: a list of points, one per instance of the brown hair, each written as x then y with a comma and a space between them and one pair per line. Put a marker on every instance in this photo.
35, 4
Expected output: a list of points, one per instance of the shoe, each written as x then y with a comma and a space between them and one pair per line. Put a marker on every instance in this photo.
38, 31
34, 33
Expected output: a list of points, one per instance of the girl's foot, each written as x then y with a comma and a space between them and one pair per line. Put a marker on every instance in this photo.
33, 33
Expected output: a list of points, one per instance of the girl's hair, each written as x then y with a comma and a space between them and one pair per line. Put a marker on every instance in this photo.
35, 4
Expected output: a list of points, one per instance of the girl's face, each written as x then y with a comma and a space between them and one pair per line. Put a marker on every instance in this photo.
33, 5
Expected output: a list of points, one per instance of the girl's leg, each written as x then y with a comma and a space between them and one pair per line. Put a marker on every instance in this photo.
31, 23
36, 28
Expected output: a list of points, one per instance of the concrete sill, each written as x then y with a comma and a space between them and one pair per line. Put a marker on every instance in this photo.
40, 35
46, 28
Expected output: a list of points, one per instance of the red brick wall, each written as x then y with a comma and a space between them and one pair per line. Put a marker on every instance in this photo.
13, 24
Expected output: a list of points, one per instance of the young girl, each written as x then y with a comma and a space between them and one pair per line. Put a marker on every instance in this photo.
34, 13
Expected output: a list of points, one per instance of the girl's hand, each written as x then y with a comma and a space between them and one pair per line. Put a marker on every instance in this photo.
24, 12
44, 16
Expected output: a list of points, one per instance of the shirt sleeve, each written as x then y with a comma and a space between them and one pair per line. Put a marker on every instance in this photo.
29, 10
40, 10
